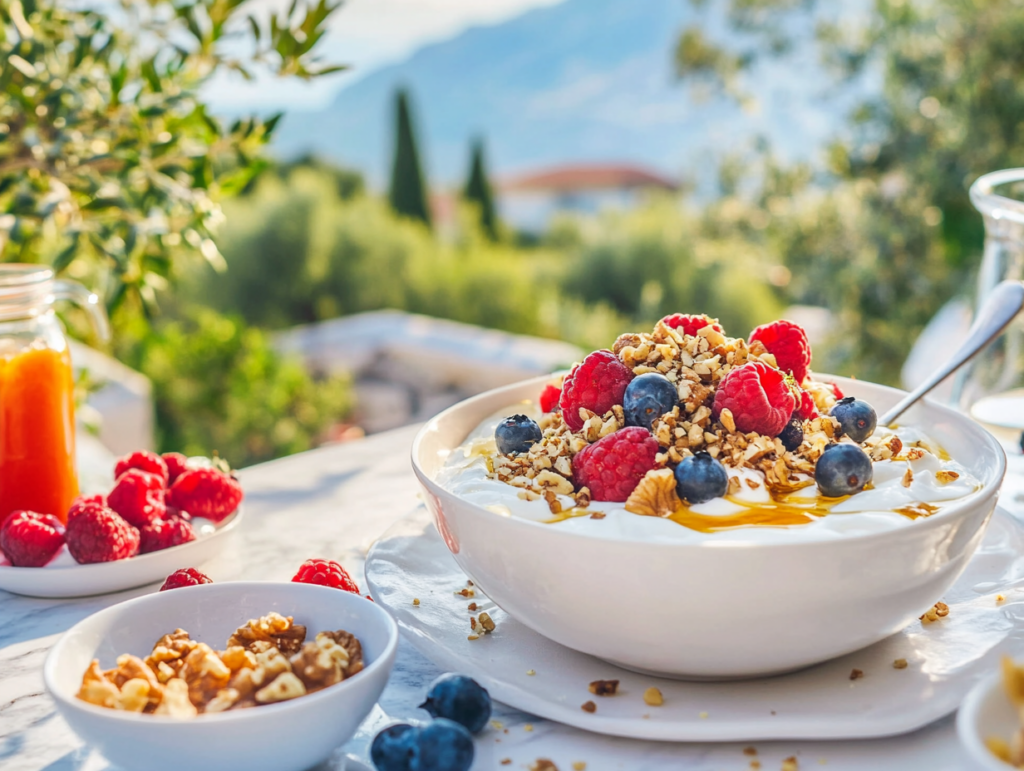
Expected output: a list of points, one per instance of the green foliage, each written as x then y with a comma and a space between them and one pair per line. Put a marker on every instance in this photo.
111, 166
220, 386
408, 191
891, 235
478, 191
300, 253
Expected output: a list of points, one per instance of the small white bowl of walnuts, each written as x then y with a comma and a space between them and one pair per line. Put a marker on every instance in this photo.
252, 675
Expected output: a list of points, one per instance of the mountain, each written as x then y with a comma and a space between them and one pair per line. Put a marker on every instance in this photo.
581, 81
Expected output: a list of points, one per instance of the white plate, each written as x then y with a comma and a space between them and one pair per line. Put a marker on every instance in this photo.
65, 578
945, 658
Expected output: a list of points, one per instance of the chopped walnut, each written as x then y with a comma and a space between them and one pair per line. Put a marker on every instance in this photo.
205, 674
284, 687
856, 674
273, 628
655, 495
604, 687
939, 610
176, 702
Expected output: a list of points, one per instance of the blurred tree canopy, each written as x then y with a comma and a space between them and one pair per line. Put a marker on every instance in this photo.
478, 190
895, 235
111, 166
408, 193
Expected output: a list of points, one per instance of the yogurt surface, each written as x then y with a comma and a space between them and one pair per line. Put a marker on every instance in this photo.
465, 474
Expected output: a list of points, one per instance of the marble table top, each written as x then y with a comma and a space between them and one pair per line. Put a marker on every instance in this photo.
333, 502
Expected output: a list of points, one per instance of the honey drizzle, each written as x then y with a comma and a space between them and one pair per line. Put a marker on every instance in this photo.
785, 510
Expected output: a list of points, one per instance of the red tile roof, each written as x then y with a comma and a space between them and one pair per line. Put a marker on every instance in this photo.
586, 177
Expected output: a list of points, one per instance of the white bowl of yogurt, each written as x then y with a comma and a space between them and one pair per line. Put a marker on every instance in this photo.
654, 595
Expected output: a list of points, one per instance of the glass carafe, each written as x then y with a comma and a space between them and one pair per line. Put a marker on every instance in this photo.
37, 412
992, 389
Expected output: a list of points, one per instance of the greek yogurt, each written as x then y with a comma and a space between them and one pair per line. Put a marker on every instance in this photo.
749, 515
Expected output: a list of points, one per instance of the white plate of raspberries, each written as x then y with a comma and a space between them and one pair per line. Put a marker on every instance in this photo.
163, 512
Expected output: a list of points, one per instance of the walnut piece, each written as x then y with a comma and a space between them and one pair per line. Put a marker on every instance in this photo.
604, 687
655, 495
176, 702
273, 628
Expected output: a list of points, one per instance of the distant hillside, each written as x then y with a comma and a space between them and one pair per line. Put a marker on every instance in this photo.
585, 80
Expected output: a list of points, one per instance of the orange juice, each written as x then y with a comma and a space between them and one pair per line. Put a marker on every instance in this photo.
37, 433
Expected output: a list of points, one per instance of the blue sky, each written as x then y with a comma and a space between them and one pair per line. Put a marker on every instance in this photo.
365, 34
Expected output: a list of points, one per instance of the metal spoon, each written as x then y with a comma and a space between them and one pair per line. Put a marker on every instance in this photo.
1001, 307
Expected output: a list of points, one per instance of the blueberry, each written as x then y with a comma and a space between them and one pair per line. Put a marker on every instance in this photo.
647, 397
442, 745
843, 469
792, 435
394, 747
461, 699
700, 478
516, 434
857, 418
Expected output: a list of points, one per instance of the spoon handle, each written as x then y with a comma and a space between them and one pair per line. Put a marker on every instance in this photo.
1000, 308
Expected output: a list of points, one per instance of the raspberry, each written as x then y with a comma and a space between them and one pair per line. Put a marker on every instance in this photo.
30, 540
613, 466
138, 496
758, 397
177, 464
597, 384
185, 577
100, 535
788, 343
163, 534
806, 409
205, 492
325, 573
143, 460
549, 397
83, 502
173, 513
691, 325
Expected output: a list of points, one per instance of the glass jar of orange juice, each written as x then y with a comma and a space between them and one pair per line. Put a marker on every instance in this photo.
37, 411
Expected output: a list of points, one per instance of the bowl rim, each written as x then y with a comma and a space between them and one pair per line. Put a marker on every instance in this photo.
50, 665
966, 719
937, 520
225, 526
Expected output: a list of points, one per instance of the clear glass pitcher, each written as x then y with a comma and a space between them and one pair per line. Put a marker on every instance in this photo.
992, 389
37, 411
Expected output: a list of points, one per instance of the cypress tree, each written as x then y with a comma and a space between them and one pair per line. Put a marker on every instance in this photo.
478, 191
408, 194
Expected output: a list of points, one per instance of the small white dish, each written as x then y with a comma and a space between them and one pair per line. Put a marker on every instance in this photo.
986, 712
65, 578
288, 736
944, 659
713, 609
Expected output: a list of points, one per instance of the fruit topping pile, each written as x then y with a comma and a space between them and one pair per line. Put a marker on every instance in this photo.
267, 660
151, 507
664, 417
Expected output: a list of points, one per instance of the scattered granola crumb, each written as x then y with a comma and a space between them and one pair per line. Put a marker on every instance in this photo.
589, 706
487, 623
471, 607
653, 697
1000, 599
646, 716
497, 725
773, 711
939, 610
531, 672
604, 687
506, 761
598, 515
944, 477
470, 583
755, 764
579, 765
473, 637
466, 593
790, 764
703, 715
899, 664
415, 600
750, 751
908, 478
856, 674
528, 727
543, 764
